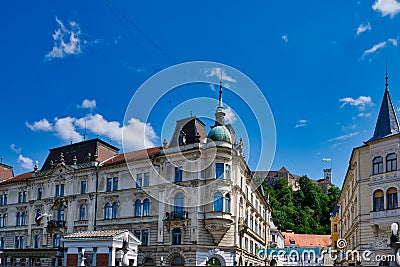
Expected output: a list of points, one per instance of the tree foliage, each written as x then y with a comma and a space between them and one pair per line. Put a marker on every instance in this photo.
306, 210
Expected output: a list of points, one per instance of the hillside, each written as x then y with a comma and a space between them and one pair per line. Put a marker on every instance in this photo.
306, 211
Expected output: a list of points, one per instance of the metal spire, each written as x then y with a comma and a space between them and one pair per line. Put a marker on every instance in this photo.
220, 91
387, 83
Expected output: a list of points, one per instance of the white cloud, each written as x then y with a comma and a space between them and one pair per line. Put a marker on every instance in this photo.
15, 149
66, 40
26, 162
137, 134
219, 73
301, 123
86, 103
230, 116
379, 46
387, 7
362, 28
360, 102
65, 129
343, 137
362, 115
42, 125
285, 38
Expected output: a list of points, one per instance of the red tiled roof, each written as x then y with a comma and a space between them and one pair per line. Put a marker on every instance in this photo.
6, 172
133, 155
306, 240
18, 178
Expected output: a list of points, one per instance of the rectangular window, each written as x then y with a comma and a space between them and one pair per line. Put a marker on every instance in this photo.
57, 240
227, 171
5, 199
178, 175
1, 200
136, 233
109, 184
19, 197
39, 193
139, 179
145, 238
2, 242
115, 183
335, 228
61, 190
57, 190
16, 243
24, 196
146, 179
36, 241
219, 170
83, 187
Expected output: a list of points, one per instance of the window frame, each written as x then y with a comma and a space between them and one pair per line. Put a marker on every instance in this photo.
391, 162
377, 165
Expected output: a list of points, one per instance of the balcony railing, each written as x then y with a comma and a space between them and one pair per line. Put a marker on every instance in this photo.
56, 224
176, 215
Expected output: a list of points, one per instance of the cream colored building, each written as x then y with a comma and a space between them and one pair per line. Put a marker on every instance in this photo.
369, 198
190, 202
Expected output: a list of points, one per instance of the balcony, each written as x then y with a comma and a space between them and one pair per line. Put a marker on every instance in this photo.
176, 215
217, 224
375, 216
52, 224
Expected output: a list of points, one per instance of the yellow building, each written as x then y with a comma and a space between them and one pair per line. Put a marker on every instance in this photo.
369, 200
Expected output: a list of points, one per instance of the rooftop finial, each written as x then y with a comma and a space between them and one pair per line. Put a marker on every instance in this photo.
387, 83
220, 90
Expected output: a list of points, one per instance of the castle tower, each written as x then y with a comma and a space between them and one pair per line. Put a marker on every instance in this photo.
328, 175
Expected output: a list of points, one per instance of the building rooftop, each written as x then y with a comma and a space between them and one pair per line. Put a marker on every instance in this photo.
96, 234
306, 240
18, 178
387, 123
134, 155
6, 171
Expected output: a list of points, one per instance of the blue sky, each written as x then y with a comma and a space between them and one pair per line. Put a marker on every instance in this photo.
320, 66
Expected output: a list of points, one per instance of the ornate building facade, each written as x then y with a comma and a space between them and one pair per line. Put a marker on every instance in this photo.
189, 202
368, 203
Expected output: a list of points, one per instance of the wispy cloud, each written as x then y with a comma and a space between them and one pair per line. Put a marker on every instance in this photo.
219, 73
285, 38
338, 144
380, 46
86, 103
42, 125
361, 102
363, 28
230, 116
26, 163
387, 7
137, 69
67, 40
301, 123
343, 137
362, 115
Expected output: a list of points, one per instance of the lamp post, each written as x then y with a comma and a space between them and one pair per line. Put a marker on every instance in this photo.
395, 244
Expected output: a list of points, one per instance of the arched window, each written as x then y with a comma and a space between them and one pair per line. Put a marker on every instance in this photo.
146, 207
114, 210
179, 201
392, 198
391, 162
178, 261
148, 262
107, 211
227, 207
176, 236
377, 165
378, 200
218, 201
60, 213
138, 208
82, 212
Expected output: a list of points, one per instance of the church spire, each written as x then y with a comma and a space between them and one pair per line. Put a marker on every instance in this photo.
387, 123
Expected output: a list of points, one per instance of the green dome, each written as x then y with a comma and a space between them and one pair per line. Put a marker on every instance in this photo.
220, 133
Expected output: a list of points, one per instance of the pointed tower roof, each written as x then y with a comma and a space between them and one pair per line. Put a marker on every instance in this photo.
387, 123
